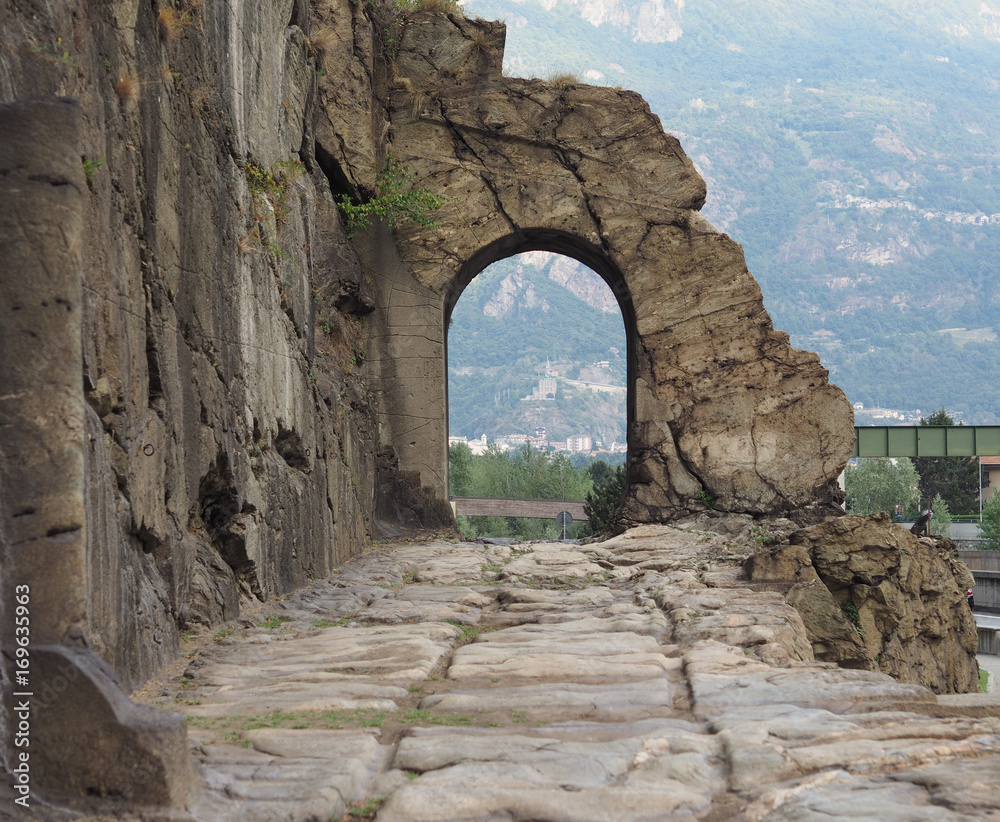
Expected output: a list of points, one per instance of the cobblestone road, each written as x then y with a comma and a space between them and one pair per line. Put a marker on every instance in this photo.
635, 679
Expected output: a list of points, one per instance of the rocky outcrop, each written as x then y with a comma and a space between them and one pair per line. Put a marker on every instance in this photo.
723, 412
875, 597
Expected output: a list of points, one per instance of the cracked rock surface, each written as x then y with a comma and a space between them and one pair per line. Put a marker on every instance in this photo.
453, 681
723, 408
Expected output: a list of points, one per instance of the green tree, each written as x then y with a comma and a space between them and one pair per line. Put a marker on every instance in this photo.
523, 474
941, 521
880, 484
603, 501
990, 526
954, 479
460, 470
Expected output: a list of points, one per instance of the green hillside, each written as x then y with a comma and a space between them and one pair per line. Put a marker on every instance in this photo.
495, 359
852, 149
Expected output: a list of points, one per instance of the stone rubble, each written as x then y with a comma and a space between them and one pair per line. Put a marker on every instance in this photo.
451, 682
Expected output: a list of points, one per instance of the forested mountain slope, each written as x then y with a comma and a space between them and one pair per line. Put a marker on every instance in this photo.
515, 318
851, 147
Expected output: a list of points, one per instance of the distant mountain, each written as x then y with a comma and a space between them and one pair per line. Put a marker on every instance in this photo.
851, 147
519, 318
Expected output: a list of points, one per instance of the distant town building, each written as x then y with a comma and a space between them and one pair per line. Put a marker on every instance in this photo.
477, 447
991, 474
579, 444
512, 440
545, 390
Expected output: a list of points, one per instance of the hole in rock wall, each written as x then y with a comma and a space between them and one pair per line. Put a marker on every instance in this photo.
537, 389
339, 184
289, 446
224, 518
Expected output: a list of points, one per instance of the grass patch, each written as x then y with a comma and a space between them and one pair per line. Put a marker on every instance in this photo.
274, 621
493, 568
420, 716
332, 720
984, 679
365, 809
563, 79
469, 632
329, 720
322, 623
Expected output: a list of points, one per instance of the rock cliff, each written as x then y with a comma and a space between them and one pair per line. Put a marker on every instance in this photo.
231, 446
722, 410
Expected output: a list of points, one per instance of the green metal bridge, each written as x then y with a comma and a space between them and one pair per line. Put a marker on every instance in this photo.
927, 441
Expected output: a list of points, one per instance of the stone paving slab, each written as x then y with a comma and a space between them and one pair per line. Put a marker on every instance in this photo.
610, 701
457, 681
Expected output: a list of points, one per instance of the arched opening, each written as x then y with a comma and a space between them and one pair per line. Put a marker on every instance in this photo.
540, 365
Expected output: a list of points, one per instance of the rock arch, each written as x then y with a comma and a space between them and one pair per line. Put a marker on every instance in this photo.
723, 411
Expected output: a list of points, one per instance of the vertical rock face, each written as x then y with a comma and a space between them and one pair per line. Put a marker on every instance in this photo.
230, 449
874, 596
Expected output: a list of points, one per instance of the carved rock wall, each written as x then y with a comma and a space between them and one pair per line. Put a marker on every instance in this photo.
722, 409
231, 450
231, 366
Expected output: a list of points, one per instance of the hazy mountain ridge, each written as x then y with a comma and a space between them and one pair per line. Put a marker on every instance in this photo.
851, 148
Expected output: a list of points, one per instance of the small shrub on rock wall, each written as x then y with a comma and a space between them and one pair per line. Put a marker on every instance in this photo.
273, 185
394, 202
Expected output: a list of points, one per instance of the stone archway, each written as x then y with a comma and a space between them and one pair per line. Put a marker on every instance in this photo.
722, 411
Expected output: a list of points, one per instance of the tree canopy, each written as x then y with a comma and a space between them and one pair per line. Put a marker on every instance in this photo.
522, 474
954, 479
990, 525
880, 484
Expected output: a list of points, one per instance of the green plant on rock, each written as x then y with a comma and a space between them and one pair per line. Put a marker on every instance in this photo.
394, 202
366, 808
53, 51
272, 185
91, 167
850, 611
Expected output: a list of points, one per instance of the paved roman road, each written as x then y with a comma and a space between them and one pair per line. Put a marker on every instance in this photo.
635, 679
